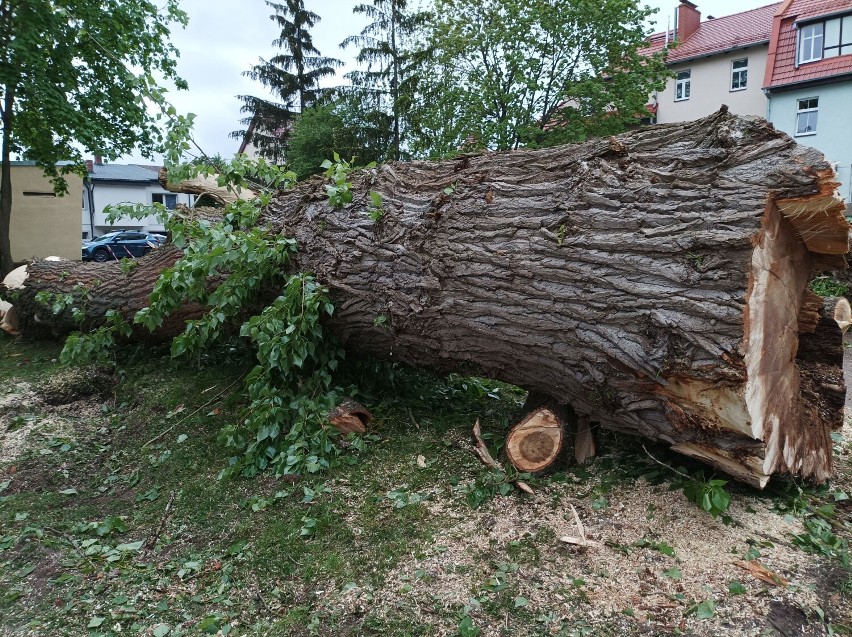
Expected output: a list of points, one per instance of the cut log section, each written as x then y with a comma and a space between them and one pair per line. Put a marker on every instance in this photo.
534, 444
657, 282
350, 416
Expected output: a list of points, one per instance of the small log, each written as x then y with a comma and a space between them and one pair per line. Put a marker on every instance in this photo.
534, 443
350, 416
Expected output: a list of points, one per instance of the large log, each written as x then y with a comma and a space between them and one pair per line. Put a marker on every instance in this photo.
655, 281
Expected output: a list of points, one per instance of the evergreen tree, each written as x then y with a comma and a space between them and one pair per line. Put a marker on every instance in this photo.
385, 52
293, 76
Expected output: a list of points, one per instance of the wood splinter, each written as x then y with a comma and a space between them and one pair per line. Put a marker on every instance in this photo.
534, 443
481, 451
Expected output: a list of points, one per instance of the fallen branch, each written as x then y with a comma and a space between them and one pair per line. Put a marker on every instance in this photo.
187, 417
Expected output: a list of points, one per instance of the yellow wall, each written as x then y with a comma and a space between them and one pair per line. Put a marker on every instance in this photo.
44, 225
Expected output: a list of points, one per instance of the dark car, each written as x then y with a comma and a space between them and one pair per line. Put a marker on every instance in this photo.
120, 245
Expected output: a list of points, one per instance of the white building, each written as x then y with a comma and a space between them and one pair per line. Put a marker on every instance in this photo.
112, 184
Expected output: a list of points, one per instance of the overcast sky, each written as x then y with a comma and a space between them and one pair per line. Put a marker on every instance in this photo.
226, 37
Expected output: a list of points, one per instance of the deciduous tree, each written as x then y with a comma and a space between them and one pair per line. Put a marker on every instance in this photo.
66, 83
507, 73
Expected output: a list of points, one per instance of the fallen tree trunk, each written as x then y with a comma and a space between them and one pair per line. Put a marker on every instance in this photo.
656, 282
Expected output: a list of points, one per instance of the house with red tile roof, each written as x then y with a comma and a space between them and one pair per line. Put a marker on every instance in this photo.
716, 61
808, 79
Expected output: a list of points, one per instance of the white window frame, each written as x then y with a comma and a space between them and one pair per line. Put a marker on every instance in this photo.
805, 111
813, 47
807, 43
737, 73
684, 84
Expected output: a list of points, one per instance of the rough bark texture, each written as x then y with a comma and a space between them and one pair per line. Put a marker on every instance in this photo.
655, 281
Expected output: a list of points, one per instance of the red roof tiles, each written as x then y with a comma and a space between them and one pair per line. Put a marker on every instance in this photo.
781, 66
720, 34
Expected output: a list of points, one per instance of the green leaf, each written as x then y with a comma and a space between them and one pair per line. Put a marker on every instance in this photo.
131, 546
706, 609
466, 627
665, 549
735, 587
520, 602
673, 573
95, 622
71, 491
161, 630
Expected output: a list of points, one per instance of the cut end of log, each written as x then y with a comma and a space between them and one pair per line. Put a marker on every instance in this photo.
350, 417
535, 442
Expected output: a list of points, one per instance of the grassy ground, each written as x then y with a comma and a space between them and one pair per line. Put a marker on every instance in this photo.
113, 521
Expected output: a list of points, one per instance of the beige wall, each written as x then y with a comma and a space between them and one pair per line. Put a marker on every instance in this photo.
44, 225
711, 87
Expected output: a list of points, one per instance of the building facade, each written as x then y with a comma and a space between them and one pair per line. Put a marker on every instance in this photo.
43, 224
112, 184
717, 61
808, 80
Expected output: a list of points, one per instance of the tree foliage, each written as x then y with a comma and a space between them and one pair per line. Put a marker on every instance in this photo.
507, 73
339, 127
386, 48
293, 76
65, 81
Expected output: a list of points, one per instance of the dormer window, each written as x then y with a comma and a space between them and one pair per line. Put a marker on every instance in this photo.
810, 43
826, 39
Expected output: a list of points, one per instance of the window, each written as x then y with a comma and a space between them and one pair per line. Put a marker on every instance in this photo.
682, 82
739, 74
169, 201
85, 235
806, 117
810, 43
826, 39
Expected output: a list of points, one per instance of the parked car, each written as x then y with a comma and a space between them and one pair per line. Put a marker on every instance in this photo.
120, 245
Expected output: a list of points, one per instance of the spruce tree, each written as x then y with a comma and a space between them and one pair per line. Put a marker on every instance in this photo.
384, 50
293, 76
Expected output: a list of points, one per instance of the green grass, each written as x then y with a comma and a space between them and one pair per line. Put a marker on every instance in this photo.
358, 550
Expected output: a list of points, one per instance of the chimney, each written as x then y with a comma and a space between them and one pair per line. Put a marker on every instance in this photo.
90, 166
688, 19
99, 161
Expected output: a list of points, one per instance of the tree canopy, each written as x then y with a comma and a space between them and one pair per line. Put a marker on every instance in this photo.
386, 48
506, 73
65, 82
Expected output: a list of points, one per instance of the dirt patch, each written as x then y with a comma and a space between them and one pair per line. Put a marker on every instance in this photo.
73, 384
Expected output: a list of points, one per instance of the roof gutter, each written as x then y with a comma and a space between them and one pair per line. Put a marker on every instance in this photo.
739, 47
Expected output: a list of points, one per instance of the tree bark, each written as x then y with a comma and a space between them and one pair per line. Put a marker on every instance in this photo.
655, 281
